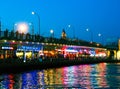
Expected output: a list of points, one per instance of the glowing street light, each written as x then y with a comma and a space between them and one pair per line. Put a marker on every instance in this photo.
32, 29
52, 32
90, 34
34, 13
100, 35
14, 27
87, 29
69, 26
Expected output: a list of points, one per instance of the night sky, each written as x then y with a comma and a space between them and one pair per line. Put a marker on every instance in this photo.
99, 16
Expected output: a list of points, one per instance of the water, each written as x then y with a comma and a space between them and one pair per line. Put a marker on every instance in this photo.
93, 76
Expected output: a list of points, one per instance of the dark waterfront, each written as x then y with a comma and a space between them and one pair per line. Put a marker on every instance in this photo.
92, 76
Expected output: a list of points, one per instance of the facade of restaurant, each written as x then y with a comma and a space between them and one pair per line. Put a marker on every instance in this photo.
54, 48
82, 51
7, 50
29, 50
33, 50
20, 49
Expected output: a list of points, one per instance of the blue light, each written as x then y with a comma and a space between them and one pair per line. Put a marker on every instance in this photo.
7, 47
30, 47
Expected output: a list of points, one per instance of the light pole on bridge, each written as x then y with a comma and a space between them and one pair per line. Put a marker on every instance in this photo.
34, 13
91, 34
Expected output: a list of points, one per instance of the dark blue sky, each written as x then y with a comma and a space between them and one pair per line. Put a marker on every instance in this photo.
99, 16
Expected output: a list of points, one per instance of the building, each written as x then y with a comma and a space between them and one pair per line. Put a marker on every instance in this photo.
23, 50
63, 35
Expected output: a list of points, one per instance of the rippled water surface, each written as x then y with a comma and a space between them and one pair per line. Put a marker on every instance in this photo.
94, 76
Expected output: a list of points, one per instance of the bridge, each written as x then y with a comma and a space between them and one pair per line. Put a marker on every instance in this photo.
12, 41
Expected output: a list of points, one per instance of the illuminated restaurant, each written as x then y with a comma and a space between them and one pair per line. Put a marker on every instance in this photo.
20, 49
29, 50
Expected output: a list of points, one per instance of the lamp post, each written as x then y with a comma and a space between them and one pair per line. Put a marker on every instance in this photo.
32, 29
14, 27
0, 27
101, 39
52, 33
34, 13
91, 34
69, 26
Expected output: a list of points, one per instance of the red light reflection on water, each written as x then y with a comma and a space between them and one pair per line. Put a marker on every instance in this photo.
85, 76
82, 76
7, 81
101, 80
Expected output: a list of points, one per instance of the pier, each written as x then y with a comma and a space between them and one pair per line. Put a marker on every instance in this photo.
22, 52
17, 66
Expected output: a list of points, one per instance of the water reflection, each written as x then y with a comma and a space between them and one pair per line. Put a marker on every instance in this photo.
29, 80
7, 81
78, 77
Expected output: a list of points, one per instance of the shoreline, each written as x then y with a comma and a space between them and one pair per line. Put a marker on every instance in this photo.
20, 66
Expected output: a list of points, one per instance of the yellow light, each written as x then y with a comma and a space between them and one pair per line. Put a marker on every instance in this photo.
50, 44
98, 44
60, 44
118, 55
5, 40
43, 43
20, 41
13, 41
19, 54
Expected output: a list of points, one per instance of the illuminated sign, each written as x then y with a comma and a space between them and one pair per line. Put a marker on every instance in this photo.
7, 47
30, 48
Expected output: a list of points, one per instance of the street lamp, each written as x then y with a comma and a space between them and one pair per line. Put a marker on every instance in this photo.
52, 33
14, 27
100, 35
91, 34
32, 29
34, 13
69, 26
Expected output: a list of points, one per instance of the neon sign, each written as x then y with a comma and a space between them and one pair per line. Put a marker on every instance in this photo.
30, 48
7, 48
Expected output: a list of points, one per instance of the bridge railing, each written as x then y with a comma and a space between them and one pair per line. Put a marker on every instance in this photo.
37, 38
